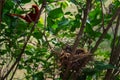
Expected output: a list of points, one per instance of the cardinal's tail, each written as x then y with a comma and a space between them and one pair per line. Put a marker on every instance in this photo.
23, 17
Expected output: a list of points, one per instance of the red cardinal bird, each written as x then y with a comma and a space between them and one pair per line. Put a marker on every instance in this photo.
30, 17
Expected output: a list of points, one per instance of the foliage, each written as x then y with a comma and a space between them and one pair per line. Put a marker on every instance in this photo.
54, 30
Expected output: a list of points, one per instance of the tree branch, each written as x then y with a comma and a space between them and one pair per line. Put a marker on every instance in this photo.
105, 31
79, 35
114, 58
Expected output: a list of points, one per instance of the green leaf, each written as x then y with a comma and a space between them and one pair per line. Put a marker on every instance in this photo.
54, 26
76, 22
89, 71
96, 34
8, 5
89, 29
56, 13
96, 22
38, 76
64, 4
99, 65
63, 22
50, 22
28, 52
50, 1
107, 36
37, 35
25, 1
95, 17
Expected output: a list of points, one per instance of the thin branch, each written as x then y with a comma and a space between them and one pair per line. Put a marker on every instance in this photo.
14, 72
111, 72
105, 31
114, 41
28, 37
6, 67
1, 8
43, 33
102, 15
45, 25
1, 71
79, 35
114, 58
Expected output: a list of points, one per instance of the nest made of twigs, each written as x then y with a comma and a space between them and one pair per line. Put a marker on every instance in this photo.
74, 61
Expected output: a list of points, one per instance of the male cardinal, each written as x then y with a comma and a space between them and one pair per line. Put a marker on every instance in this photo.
30, 17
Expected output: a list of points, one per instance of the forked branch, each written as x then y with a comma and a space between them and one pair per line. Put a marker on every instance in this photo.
79, 35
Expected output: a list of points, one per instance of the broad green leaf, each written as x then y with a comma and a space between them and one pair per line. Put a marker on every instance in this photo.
96, 22
88, 28
38, 76
41, 21
63, 22
8, 5
64, 4
50, 21
95, 16
56, 13
102, 66
37, 35
54, 26
107, 36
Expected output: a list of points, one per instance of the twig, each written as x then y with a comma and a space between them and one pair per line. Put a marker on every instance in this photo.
105, 31
6, 67
25, 43
1, 8
45, 24
45, 38
102, 15
14, 72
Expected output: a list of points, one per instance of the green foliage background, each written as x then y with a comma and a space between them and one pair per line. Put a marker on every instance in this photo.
59, 24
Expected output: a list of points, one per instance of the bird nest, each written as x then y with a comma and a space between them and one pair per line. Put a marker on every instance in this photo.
76, 61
